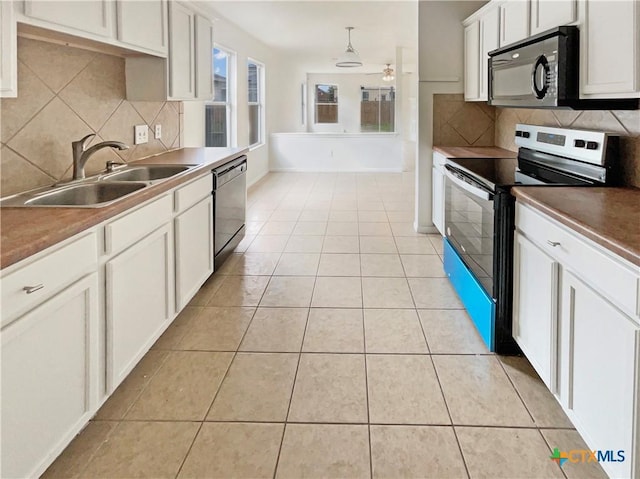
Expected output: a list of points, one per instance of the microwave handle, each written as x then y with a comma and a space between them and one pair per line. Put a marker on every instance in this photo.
469, 188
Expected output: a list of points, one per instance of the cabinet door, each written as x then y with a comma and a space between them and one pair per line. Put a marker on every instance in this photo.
194, 250
139, 301
471, 61
94, 16
489, 40
548, 14
151, 33
204, 58
514, 21
49, 378
535, 306
438, 199
610, 57
599, 350
181, 52
8, 52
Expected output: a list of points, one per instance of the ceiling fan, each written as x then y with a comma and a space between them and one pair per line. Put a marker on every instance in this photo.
387, 73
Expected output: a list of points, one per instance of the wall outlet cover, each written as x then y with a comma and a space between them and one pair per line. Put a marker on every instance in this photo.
140, 134
158, 132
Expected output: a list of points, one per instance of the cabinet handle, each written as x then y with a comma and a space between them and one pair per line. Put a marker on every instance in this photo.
553, 243
32, 289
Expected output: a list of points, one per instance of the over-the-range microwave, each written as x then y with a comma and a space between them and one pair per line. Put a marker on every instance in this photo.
543, 72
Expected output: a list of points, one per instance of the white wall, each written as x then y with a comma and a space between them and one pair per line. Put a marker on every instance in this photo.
369, 152
244, 46
441, 70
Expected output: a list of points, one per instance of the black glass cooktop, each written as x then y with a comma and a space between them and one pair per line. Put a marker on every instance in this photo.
491, 172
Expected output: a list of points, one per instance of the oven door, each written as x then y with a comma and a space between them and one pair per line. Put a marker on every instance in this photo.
469, 224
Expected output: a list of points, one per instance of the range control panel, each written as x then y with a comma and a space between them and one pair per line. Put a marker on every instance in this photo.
583, 145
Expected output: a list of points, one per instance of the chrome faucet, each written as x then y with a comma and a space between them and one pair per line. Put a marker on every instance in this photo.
81, 154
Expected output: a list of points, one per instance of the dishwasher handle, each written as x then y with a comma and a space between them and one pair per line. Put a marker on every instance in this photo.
229, 171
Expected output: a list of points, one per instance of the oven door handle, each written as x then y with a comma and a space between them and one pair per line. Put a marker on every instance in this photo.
474, 189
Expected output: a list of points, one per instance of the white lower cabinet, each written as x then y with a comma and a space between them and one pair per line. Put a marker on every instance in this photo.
138, 301
194, 250
535, 283
599, 354
49, 378
437, 200
581, 336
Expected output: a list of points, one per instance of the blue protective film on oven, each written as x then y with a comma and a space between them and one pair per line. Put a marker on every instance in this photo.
480, 306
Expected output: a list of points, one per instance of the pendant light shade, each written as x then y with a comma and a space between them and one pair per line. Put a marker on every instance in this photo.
350, 57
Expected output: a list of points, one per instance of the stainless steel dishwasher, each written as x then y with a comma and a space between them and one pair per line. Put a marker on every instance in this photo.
230, 202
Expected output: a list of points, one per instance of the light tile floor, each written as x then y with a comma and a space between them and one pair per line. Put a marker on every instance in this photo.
330, 345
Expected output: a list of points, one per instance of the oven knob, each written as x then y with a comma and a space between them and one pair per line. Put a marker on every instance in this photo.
525, 134
578, 143
592, 145
518, 133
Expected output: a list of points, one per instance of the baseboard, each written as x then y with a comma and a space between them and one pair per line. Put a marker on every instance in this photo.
360, 170
426, 229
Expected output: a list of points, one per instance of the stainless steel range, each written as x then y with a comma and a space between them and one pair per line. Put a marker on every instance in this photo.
479, 215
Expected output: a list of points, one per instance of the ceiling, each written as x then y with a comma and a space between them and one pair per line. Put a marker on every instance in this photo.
315, 30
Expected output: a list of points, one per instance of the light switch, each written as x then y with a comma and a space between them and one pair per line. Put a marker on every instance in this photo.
140, 134
158, 132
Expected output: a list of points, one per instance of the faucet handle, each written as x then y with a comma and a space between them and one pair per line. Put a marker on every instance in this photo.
83, 142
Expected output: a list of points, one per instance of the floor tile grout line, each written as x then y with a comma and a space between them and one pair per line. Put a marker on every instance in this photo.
226, 373
124, 415
446, 404
551, 450
293, 385
513, 385
352, 423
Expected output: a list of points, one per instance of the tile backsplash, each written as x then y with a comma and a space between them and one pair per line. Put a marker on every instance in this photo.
65, 93
624, 123
460, 123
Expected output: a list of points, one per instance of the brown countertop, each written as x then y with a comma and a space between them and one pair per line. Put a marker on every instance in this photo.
608, 216
474, 152
26, 231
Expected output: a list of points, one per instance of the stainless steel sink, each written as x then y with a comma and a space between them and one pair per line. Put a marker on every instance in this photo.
145, 173
84, 194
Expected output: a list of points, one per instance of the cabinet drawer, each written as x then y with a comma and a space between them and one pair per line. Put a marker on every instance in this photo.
133, 226
53, 272
190, 194
601, 270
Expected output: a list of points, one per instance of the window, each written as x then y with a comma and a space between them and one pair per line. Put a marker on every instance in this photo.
218, 112
377, 109
255, 75
326, 104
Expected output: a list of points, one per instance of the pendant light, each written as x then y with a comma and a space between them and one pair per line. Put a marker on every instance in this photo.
388, 73
350, 58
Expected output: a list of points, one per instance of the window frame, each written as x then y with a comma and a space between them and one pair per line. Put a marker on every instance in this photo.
336, 103
230, 103
260, 103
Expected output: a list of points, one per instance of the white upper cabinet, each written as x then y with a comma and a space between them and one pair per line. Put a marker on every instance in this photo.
548, 14
489, 41
95, 17
143, 24
481, 35
8, 52
204, 58
182, 84
610, 55
471, 61
514, 21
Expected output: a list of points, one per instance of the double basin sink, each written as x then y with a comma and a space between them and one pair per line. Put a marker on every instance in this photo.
100, 190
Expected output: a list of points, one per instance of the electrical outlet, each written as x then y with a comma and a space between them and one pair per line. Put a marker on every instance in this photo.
158, 132
141, 134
